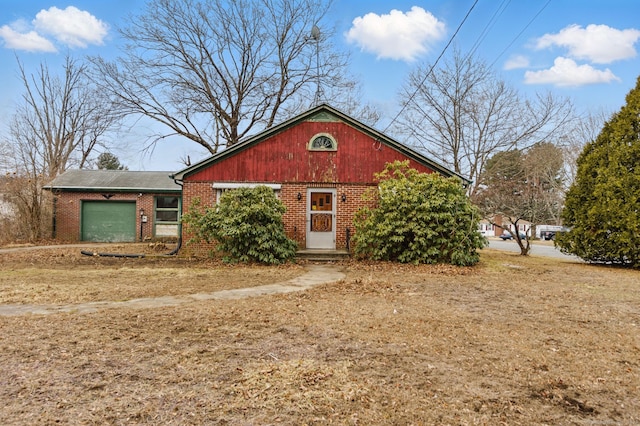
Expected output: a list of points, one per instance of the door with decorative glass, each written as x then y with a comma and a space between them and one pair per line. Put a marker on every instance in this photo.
321, 218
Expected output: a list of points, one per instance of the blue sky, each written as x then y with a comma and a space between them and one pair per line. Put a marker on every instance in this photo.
582, 49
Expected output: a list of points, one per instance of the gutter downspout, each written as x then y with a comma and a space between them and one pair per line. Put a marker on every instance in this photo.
54, 219
179, 246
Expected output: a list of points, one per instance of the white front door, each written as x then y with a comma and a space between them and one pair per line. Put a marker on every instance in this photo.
321, 218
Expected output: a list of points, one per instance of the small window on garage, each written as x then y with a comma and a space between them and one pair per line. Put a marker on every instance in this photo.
167, 216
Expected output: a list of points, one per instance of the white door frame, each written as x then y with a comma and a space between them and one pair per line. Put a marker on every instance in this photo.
325, 239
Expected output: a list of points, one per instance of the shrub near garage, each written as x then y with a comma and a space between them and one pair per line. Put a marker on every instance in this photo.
418, 218
246, 225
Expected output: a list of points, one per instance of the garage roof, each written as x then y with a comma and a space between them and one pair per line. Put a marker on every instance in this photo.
114, 180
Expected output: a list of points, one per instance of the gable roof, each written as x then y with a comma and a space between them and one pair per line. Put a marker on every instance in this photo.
114, 180
322, 111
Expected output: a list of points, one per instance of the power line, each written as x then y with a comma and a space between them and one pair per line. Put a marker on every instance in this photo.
499, 11
432, 67
520, 33
420, 82
492, 21
475, 46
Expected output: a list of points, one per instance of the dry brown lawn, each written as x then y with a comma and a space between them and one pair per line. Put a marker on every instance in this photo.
512, 341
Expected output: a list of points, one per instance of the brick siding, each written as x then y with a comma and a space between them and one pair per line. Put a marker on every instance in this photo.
295, 217
68, 207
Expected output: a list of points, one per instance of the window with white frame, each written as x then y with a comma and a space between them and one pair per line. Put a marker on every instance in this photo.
221, 188
167, 216
322, 142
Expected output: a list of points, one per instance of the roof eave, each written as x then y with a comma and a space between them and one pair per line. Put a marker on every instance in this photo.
179, 176
107, 189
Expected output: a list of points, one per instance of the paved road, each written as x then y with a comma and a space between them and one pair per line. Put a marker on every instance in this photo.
538, 248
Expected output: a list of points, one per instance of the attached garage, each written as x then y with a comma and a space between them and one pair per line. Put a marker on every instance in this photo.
106, 221
115, 206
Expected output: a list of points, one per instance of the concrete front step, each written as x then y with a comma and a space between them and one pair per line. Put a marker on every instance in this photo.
322, 255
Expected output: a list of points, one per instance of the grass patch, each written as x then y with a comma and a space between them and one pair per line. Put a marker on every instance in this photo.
514, 340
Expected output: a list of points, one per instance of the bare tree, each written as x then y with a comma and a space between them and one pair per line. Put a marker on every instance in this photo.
462, 114
584, 130
58, 124
214, 71
521, 186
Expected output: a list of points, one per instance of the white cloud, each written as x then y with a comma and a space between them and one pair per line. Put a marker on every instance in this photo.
597, 43
30, 41
516, 62
566, 72
398, 35
71, 26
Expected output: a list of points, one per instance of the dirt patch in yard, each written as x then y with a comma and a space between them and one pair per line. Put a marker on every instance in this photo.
514, 341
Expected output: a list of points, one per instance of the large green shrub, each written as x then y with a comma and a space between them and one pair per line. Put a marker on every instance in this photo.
602, 207
418, 218
246, 226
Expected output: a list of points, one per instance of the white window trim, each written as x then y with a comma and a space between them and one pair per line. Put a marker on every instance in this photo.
221, 187
328, 135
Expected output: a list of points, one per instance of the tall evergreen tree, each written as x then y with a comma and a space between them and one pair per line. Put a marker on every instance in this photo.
602, 207
108, 161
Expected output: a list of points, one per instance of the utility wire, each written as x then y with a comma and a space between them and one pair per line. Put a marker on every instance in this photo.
492, 21
520, 33
475, 46
432, 67
499, 11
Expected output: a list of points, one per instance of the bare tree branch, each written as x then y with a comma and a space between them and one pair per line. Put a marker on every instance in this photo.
523, 186
461, 114
215, 71
584, 130
59, 124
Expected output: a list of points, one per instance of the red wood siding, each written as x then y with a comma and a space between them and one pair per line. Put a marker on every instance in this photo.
284, 158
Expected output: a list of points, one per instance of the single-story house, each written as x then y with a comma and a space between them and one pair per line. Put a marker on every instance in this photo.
6, 209
486, 228
319, 163
524, 227
115, 206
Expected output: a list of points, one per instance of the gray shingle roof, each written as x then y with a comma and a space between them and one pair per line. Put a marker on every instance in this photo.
114, 180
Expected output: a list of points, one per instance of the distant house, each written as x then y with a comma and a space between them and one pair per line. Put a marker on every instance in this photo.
7, 209
486, 228
319, 163
524, 226
115, 206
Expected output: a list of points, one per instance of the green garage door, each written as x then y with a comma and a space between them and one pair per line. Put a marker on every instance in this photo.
108, 221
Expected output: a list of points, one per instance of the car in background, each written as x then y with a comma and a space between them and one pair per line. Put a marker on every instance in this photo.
548, 235
508, 236
551, 235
